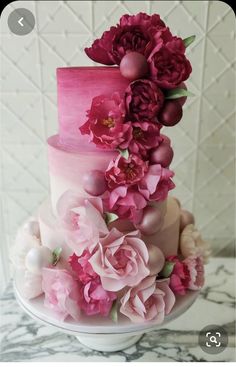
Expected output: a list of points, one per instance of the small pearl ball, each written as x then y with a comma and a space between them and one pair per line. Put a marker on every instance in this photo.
162, 155
171, 113
133, 66
37, 258
151, 221
156, 259
186, 218
32, 227
94, 183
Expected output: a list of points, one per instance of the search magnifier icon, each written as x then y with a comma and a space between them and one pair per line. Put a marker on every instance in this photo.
213, 339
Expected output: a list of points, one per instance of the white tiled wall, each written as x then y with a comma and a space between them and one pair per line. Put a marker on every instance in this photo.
203, 141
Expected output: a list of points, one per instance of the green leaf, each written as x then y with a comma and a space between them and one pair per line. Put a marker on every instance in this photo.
114, 312
178, 93
56, 255
110, 217
167, 269
187, 41
124, 153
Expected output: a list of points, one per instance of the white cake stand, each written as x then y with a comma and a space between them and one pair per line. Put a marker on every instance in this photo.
95, 332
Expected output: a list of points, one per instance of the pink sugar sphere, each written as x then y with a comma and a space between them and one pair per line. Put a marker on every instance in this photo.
151, 221
94, 183
156, 260
182, 100
162, 155
171, 113
186, 218
133, 66
177, 201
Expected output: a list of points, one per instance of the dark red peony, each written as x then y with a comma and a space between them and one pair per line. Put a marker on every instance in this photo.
125, 172
133, 33
105, 123
143, 99
168, 65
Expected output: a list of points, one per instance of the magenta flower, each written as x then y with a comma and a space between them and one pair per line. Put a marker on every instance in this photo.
145, 136
156, 183
105, 123
81, 267
121, 260
127, 203
168, 65
125, 172
143, 100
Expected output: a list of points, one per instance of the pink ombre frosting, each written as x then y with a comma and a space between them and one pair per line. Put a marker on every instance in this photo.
77, 86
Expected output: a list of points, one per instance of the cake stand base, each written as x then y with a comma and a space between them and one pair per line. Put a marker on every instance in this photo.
109, 342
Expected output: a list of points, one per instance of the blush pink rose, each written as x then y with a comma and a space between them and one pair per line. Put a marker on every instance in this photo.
196, 272
127, 203
133, 33
143, 100
82, 220
61, 293
120, 260
145, 136
94, 299
105, 124
149, 300
156, 183
168, 65
125, 172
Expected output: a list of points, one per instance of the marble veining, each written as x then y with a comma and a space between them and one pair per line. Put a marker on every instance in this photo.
24, 339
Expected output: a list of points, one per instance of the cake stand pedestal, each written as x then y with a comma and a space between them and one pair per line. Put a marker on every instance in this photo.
95, 332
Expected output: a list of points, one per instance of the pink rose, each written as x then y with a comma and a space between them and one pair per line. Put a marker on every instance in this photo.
61, 293
196, 272
156, 183
82, 220
143, 101
121, 260
149, 300
133, 33
125, 172
145, 136
105, 123
180, 276
94, 299
127, 203
168, 65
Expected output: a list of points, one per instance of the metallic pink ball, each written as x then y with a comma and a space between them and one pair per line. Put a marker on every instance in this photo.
186, 218
94, 183
171, 113
156, 260
162, 155
177, 201
151, 221
133, 66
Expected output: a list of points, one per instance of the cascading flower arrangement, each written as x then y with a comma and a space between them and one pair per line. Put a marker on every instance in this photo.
111, 271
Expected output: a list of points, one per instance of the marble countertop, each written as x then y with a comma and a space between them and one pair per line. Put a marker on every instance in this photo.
23, 339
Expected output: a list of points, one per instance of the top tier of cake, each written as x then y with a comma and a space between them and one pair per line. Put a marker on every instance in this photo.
76, 87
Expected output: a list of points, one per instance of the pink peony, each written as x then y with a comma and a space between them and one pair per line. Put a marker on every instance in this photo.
145, 136
143, 101
180, 277
121, 260
82, 220
94, 299
125, 172
127, 203
105, 123
133, 33
61, 293
81, 267
196, 272
149, 300
168, 65
156, 183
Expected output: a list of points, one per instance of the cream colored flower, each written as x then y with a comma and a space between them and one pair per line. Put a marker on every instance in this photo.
192, 244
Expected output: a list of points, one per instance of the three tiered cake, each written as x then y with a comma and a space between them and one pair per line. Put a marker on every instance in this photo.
111, 241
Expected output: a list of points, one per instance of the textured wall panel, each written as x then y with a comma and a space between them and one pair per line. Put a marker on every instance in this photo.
203, 141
